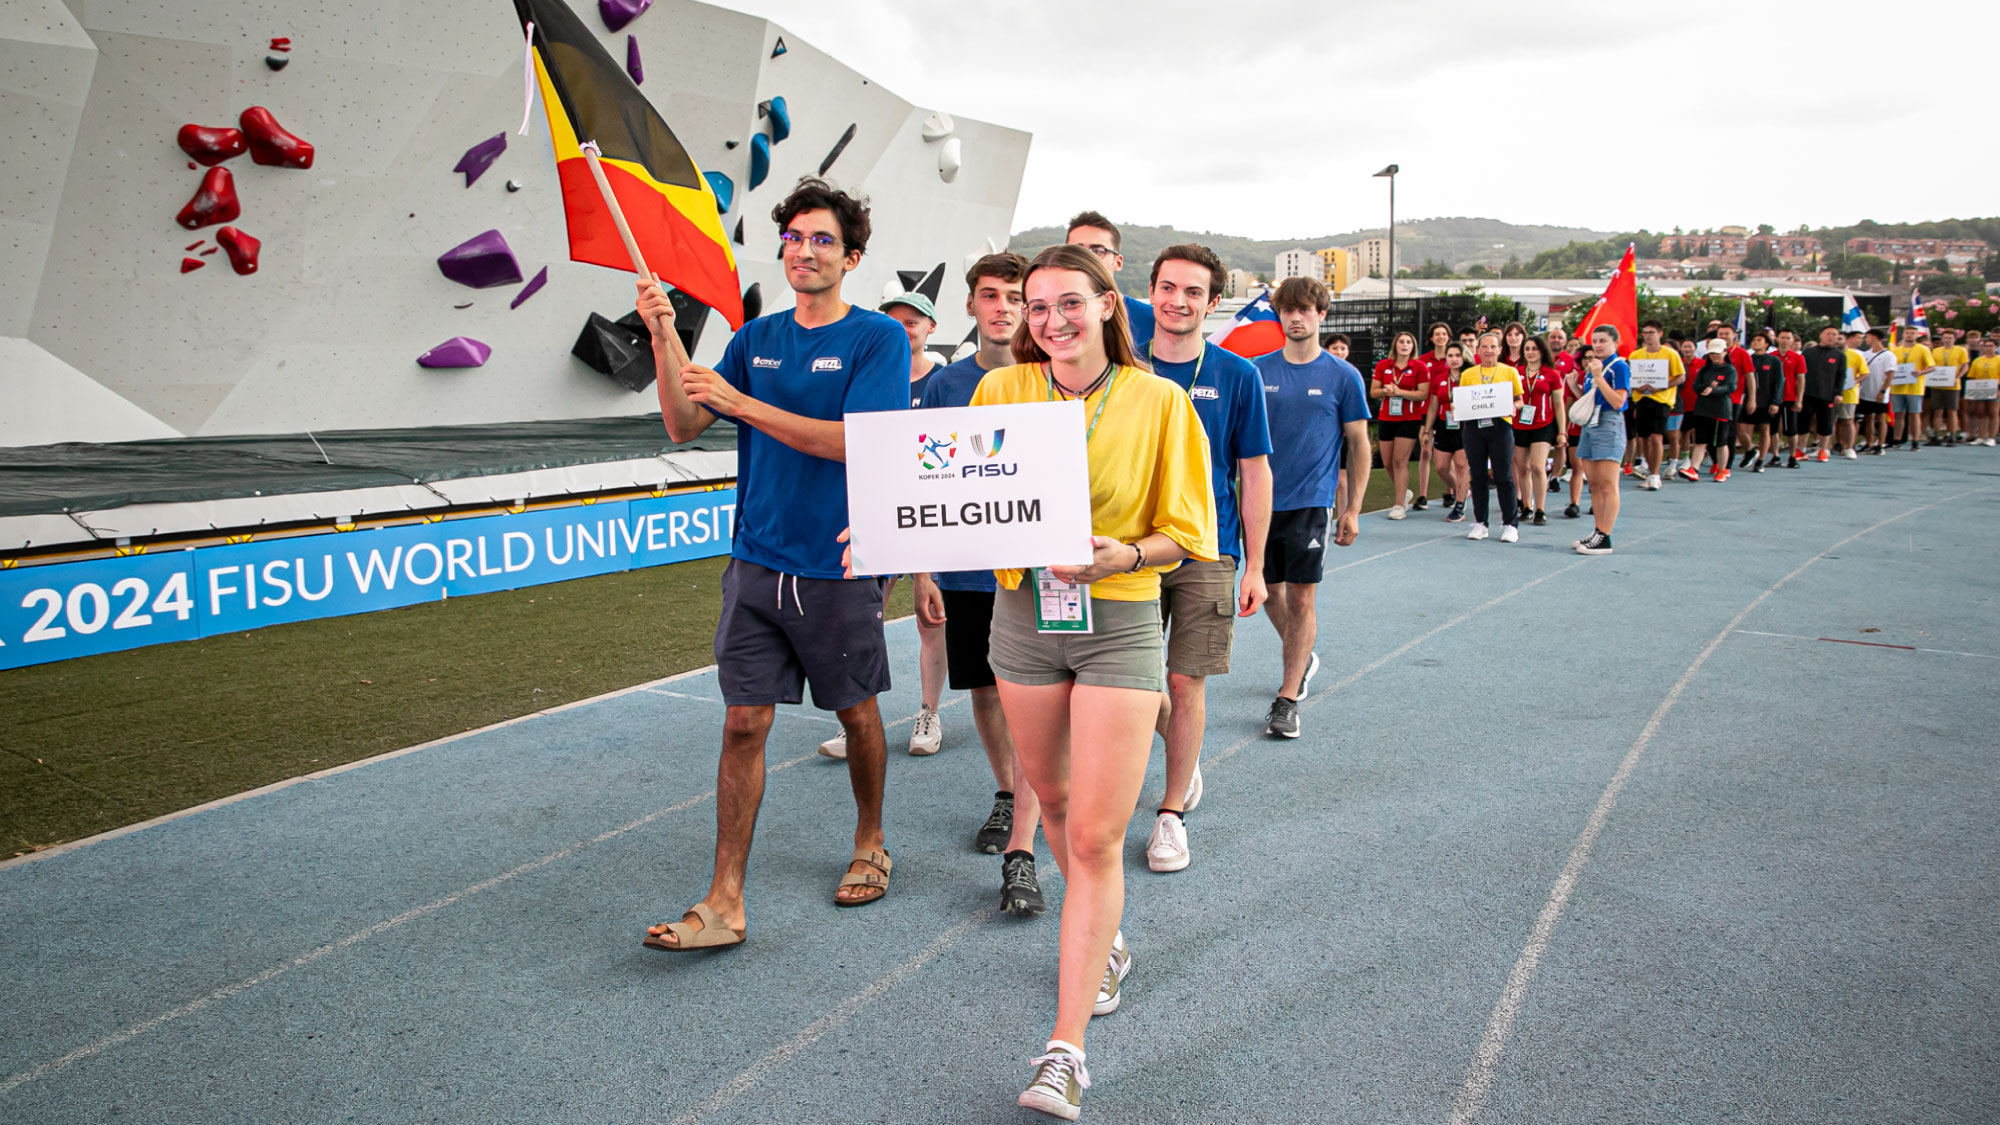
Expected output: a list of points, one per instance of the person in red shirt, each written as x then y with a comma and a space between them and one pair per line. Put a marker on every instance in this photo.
1541, 424
1447, 442
1795, 381
1433, 360
1746, 380
1403, 384
1565, 365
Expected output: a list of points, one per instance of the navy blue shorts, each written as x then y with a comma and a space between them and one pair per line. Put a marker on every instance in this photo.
779, 632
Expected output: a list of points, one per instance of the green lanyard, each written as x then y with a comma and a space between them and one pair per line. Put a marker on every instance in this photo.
1048, 372
1198, 359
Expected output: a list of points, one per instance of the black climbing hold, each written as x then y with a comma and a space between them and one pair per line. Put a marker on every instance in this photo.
612, 349
753, 302
689, 317
466, 305
730, 144
739, 232
910, 279
780, 48
929, 286
513, 185
838, 146
276, 62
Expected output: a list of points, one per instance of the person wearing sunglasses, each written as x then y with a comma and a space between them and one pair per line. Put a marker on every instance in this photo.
789, 616
1082, 706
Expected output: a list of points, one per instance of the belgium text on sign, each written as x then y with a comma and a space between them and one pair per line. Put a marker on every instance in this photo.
968, 488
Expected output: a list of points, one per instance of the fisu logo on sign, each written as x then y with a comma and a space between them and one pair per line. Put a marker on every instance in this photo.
987, 446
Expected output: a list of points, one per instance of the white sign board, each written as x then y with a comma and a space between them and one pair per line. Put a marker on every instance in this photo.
968, 488
1492, 400
1946, 377
1982, 390
1906, 375
1650, 374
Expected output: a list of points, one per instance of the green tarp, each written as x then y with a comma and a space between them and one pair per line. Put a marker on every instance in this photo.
86, 477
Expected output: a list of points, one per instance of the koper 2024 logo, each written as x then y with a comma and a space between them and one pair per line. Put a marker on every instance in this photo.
937, 452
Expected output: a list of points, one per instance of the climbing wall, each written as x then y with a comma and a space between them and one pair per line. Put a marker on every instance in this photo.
350, 234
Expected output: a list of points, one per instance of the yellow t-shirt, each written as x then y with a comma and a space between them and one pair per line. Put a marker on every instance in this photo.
1675, 369
1857, 370
1476, 376
1953, 356
1916, 354
1148, 468
1985, 367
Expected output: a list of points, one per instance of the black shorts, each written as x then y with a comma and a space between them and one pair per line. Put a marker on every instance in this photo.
1544, 434
1649, 417
1866, 409
1295, 551
779, 632
1389, 430
1447, 440
968, 622
1706, 430
1817, 416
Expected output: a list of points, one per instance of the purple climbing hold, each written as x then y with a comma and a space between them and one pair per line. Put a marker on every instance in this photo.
632, 66
618, 13
482, 261
480, 157
459, 351
533, 287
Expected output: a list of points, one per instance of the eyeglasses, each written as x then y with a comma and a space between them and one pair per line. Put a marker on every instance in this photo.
818, 242
1100, 251
1071, 309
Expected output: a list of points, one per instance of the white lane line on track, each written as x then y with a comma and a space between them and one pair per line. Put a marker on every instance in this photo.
817, 1029
1500, 1025
1869, 644
807, 716
357, 937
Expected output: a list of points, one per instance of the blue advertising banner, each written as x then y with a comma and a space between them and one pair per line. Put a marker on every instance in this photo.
66, 610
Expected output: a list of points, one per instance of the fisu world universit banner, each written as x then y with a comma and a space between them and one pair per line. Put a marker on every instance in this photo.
64, 610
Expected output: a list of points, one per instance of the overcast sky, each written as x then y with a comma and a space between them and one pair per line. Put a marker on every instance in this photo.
1267, 119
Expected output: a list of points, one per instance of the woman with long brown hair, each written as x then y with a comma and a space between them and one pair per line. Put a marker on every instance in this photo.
1081, 706
1542, 425
1403, 383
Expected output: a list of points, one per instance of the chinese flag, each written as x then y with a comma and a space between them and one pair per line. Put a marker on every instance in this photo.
1618, 308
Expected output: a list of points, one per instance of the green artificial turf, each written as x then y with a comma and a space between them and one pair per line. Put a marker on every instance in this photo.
96, 743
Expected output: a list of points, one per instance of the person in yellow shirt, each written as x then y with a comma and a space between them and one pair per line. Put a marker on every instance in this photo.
1845, 428
1489, 442
1151, 506
1906, 386
1941, 402
1651, 409
1982, 387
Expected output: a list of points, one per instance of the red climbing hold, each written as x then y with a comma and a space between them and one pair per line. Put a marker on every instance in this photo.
195, 244
241, 247
214, 203
189, 265
208, 145
271, 144
280, 43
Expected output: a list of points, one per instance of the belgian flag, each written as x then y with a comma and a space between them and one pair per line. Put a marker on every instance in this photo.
667, 202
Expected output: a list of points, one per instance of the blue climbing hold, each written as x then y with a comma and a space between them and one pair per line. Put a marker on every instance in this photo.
723, 189
760, 160
781, 120
779, 49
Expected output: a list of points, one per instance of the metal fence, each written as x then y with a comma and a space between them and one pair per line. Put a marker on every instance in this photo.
1370, 324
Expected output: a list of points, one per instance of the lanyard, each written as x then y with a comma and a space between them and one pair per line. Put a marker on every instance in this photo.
1198, 358
1110, 383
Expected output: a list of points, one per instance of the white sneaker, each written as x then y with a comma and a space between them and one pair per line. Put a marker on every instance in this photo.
1653, 483
1059, 1083
835, 747
1193, 797
1305, 682
1509, 533
1398, 512
1115, 972
1408, 496
927, 737
1167, 850
1478, 531
1848, 454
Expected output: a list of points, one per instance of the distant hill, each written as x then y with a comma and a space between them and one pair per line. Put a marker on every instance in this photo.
1457, 242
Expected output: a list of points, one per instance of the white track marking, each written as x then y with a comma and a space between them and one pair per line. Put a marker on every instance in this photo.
817, 1029
1500, 1025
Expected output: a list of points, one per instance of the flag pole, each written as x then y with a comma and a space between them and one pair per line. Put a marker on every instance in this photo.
590, 156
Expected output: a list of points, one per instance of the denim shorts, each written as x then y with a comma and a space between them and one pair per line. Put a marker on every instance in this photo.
1908, 404
1605, 441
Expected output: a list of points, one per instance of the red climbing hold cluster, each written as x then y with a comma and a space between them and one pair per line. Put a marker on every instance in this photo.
242, 249
271, 144
210, 146
214, 203
280, 43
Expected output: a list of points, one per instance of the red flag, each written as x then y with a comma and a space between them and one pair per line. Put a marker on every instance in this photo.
1619, 307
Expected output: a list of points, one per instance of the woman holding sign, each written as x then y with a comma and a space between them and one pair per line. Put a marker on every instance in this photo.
1539, 427
1485, 422
1403, 383
1077, 649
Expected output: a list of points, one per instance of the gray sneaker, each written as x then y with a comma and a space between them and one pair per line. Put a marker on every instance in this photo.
1059, 1083
1115, 971
992, 836
1283, 720
1020, 892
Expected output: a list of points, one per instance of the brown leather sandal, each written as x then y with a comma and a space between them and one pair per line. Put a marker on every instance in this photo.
713, 934
880, 862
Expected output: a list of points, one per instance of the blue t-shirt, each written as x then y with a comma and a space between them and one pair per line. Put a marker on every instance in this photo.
1618, 376
918, 384
791, 507
1307, 404
1228, 396
1141, 315
953, 386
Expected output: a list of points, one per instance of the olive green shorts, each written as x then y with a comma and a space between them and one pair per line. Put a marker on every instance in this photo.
1198, 600
1123, 650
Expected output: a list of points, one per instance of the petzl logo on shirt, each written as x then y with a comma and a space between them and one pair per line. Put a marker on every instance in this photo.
1203, 392
934, 453
826, 363
765, 361
1313, 391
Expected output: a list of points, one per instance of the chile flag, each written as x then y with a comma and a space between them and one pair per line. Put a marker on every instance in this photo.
1253, 331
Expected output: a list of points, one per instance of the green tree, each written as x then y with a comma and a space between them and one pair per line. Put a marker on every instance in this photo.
1477, 270
1513, 266
1860, 267
1760, 257
1766, 228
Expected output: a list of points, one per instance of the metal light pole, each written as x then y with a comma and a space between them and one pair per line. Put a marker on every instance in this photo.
1390, 266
